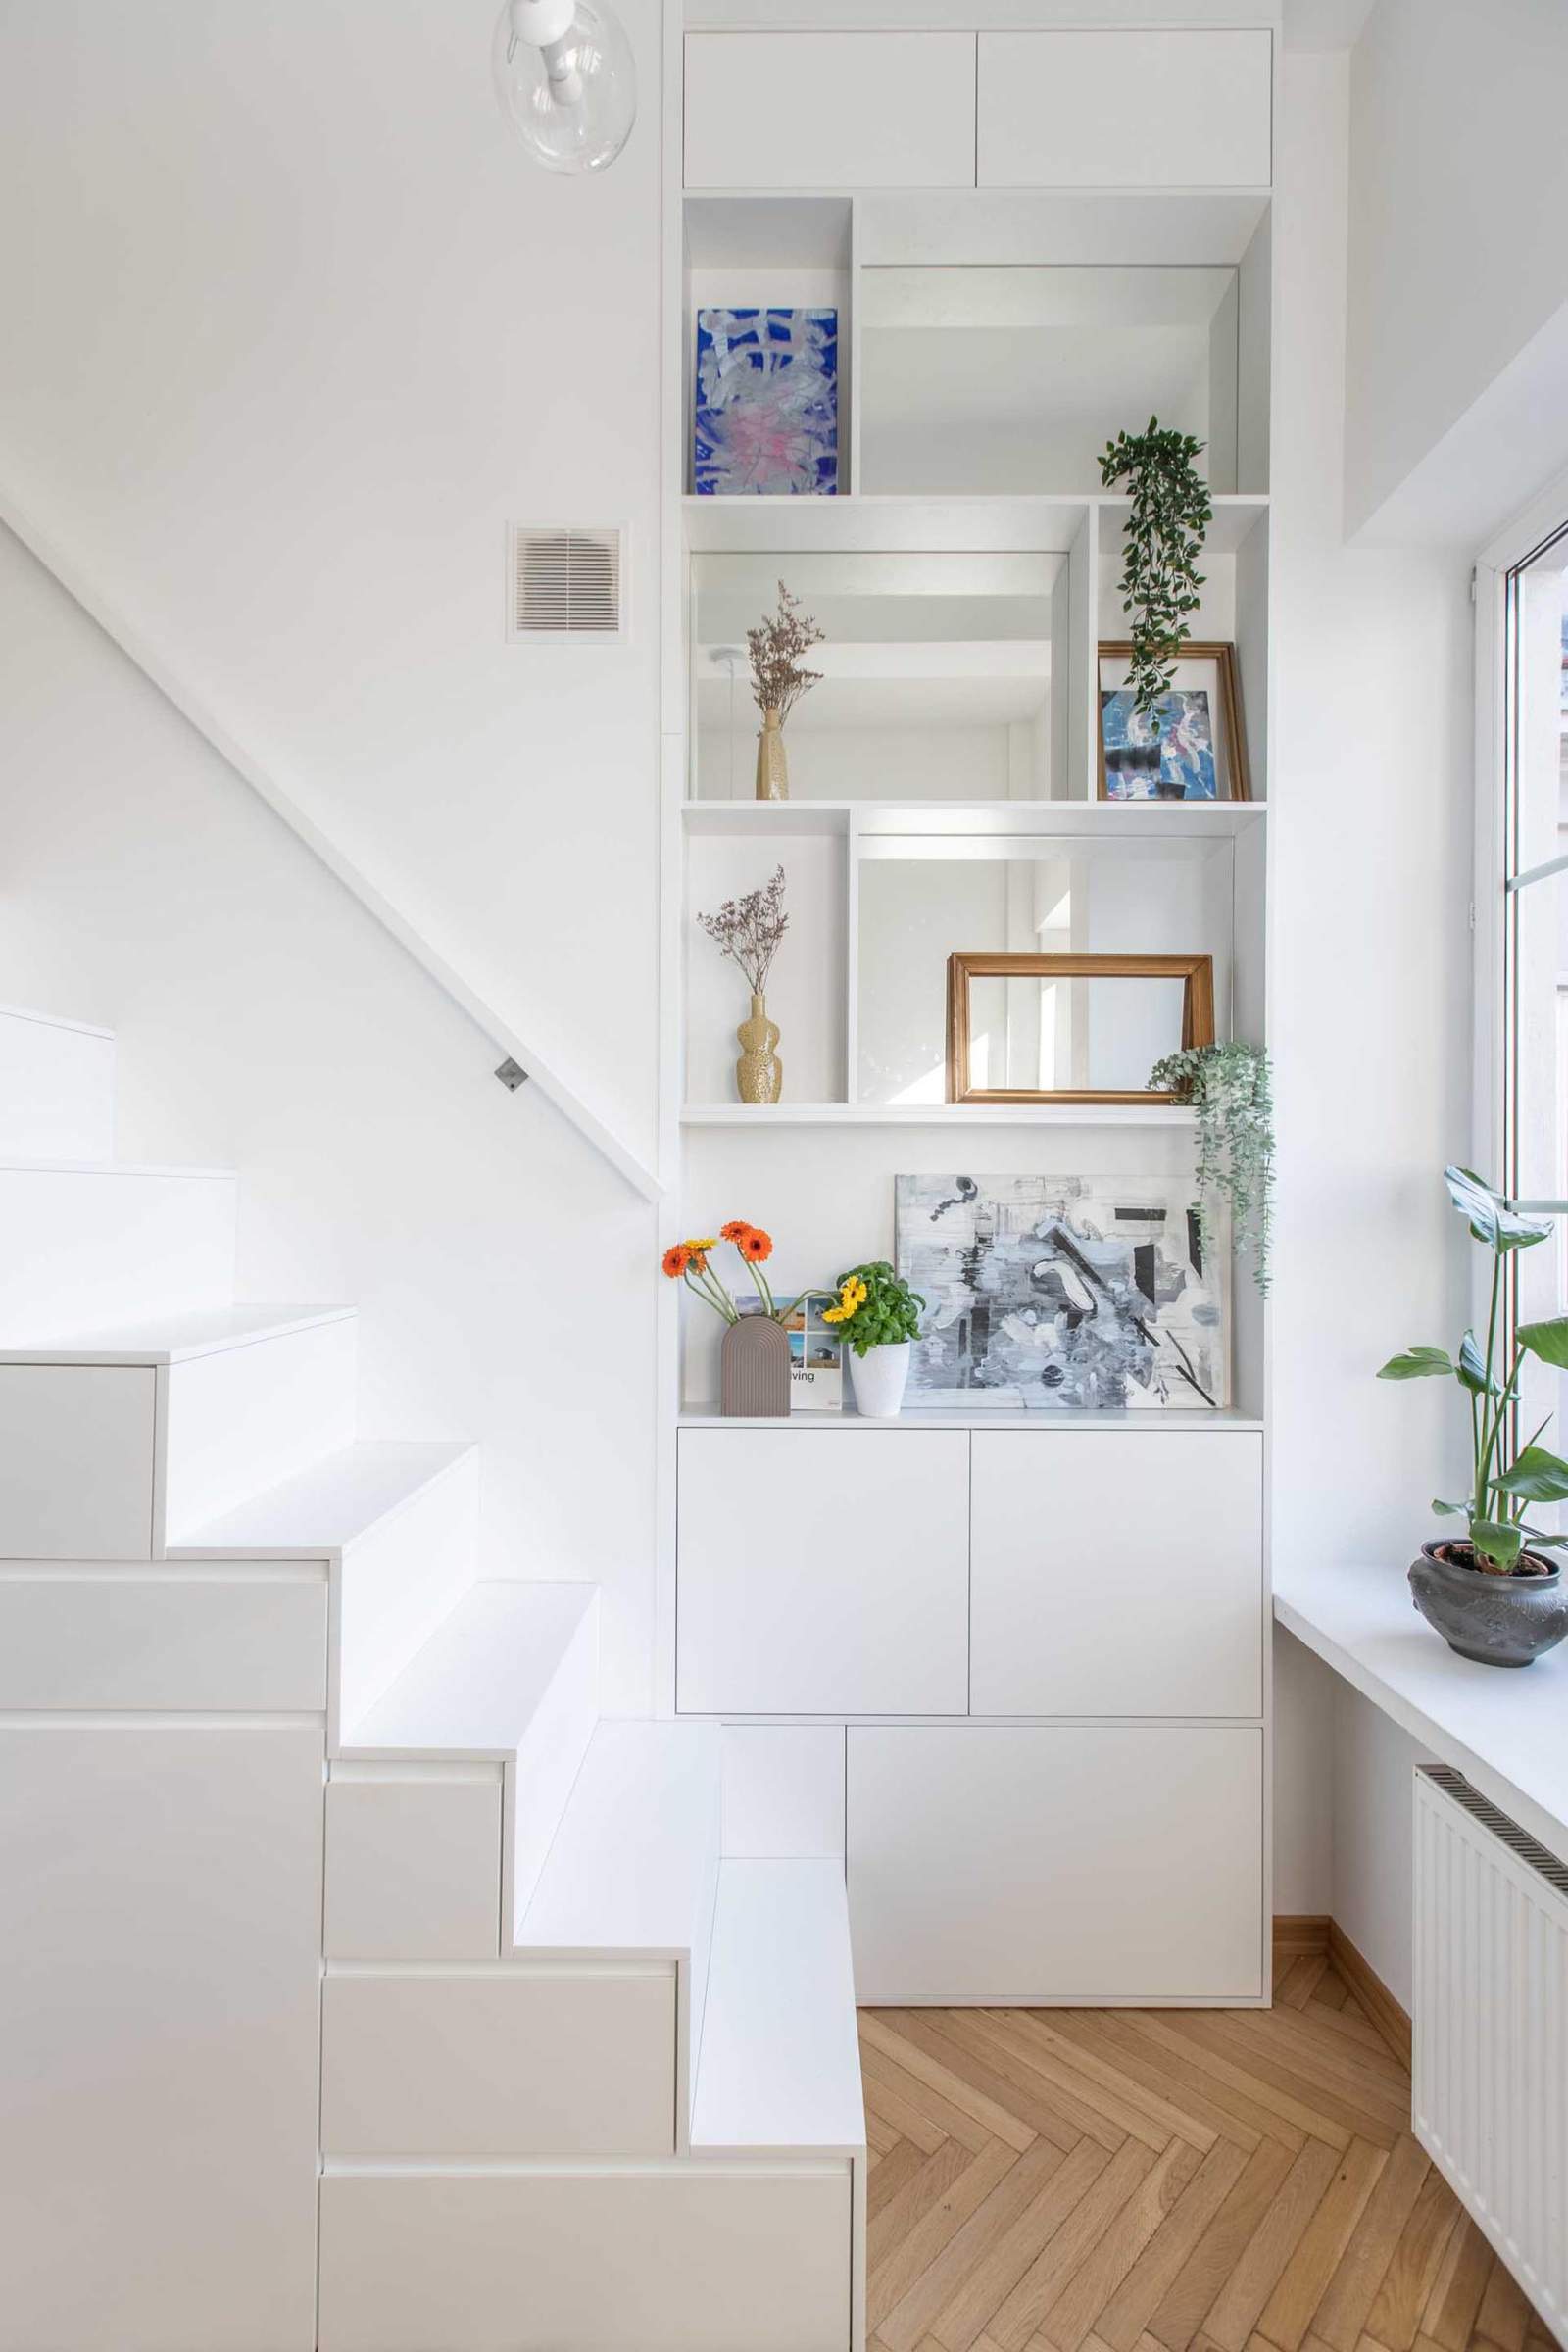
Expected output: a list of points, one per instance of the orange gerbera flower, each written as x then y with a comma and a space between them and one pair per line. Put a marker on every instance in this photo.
676, 1261
699, 1260
756, 1247
735, 1231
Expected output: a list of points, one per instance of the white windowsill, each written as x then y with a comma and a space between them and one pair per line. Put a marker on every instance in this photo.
1505, 1729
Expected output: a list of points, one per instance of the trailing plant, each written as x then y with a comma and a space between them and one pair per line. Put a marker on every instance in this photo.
691, 1262
876, 1307
775, 646
1159, 582
1230, 1089
1504, 1483
749, 930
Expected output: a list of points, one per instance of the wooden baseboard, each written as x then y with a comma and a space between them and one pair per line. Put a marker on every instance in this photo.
1300, 1938
1306, 1937
1370, 1991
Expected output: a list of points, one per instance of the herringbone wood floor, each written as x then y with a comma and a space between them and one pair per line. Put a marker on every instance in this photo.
1154, 2181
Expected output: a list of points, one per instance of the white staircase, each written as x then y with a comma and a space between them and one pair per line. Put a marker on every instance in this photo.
493, 2048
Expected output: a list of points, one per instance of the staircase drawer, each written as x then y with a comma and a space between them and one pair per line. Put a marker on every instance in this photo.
241, 1642
412, 1863
678, 2258
499, 2062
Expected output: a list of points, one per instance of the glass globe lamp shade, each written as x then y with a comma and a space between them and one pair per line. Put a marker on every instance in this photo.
565, 78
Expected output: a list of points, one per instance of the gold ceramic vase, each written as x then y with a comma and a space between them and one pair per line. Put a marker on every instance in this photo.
772, 767
758, 1073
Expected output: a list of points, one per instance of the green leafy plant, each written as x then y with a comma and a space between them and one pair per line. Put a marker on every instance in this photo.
1159, 582
1501, 1488
876, 1307
1230, 1088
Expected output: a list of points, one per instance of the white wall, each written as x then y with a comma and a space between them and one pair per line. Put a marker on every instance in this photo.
1458, 308
304, 327
1370, 1019
266, 1023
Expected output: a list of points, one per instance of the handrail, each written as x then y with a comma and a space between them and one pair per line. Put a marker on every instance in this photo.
515, 1052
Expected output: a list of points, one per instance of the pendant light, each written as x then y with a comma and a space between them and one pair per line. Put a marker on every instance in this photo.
564, 75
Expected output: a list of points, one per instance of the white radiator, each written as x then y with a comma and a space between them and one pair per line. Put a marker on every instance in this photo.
1490, 2027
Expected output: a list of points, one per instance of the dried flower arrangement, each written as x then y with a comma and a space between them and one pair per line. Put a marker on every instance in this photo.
749, 930
775, 647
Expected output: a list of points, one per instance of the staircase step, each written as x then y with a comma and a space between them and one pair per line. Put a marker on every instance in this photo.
779, 2066
174, 1338
110, 1243
400, 1522
323, 1508
634, 1861
57, 1087
117, 1443
475, 1687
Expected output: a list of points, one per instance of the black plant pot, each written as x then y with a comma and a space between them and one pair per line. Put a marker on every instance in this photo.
1495, 1620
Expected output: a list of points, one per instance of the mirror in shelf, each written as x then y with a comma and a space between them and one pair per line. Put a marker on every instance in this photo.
1071, 1027
1199, 753
935, 673
1008, 379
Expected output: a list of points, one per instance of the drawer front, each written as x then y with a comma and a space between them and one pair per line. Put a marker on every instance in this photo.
992, 1862
1117, 1573
76, 1448
412, 1865
834, 110
823, 1572
708, 2257
1053, 109
508, 2063
177, 1640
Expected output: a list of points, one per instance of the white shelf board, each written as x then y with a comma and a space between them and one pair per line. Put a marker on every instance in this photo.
1506, 1730
1045, 1416
1159, 821
1237, 515
762, 1115
780, 2066
878, 524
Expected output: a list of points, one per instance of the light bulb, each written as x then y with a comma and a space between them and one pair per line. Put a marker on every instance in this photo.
564, 75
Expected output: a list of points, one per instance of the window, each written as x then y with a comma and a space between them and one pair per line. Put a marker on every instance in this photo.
1525, 638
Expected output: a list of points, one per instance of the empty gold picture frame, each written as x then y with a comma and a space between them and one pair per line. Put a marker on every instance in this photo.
1225, 716
965, 965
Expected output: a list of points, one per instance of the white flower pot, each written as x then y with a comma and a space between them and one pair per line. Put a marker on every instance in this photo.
879, 1375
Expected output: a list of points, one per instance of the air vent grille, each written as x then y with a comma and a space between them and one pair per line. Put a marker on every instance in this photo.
566, 582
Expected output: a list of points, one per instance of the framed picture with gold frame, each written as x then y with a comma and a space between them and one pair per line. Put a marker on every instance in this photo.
1199, 753
1013, 1017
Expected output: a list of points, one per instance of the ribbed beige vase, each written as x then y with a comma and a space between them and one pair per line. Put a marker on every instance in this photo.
772, 767
758, 1073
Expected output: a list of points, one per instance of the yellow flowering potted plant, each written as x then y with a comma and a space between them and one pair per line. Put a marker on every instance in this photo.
877, 1316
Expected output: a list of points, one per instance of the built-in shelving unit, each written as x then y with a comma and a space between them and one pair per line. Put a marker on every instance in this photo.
945, 794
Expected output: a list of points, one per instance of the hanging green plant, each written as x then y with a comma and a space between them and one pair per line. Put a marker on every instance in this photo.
1159, 582
1229, 1088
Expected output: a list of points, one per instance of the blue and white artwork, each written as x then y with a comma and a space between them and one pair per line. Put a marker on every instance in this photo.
1175, 764
1065, 1294
767, 403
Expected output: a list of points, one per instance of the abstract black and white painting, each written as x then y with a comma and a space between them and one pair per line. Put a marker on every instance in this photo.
1064, 1293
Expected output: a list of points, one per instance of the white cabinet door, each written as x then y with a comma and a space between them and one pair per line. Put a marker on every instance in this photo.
1117, 1572
823, 1572
160, 1983
1125, 109
834, 110
1089, 1863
